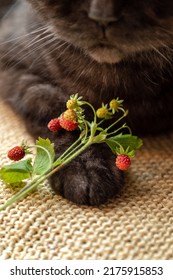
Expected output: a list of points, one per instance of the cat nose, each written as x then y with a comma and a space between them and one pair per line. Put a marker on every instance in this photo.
105, 11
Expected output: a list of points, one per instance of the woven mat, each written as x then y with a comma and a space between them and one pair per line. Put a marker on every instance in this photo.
138, 224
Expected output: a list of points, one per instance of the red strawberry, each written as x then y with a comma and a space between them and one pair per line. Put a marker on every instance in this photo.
54, 125
123, 162
68, 125
68, 120
16, 153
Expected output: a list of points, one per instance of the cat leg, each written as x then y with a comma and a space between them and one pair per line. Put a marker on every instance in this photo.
36, 100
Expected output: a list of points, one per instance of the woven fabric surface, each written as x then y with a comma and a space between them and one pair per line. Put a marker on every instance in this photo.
137, 224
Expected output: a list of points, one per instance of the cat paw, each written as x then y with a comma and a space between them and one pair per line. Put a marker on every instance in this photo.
90, 179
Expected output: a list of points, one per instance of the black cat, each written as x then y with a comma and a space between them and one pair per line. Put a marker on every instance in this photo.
101, 49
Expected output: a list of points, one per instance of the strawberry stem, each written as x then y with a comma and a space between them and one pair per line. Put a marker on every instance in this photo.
94, 112
24, 191
122, 117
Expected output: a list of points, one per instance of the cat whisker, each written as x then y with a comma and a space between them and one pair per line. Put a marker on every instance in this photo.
168, 48
64, 50
24, 36
55, 46
61, 54
35, 41
16, 46
160, 53
166, 30
27, 46
33, 51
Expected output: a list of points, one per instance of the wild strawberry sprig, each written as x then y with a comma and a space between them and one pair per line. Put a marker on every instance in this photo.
36, 169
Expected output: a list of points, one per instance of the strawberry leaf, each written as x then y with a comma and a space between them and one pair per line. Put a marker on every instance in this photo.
44, 157
126, 141
16, 172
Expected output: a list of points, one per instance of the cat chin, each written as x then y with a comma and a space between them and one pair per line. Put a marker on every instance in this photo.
110, 56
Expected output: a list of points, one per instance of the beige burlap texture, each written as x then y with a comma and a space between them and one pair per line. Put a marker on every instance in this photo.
138, 224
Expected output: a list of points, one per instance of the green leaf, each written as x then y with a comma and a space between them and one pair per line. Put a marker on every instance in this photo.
16, 172
44, 157
126, 141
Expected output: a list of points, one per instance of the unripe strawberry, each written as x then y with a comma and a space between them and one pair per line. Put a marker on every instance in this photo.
16, 153
54, 125
123, 162
71, 104
68, 125
114, 104
70, 115
102, 113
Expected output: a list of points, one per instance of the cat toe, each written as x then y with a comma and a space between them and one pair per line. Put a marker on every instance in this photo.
104, 185
87, 188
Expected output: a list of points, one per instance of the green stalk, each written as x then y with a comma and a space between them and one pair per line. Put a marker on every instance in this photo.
123, 116
115, 132
56, 169
69, 154
28, 188
94, 112
65, 154
66, 151
100, 122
